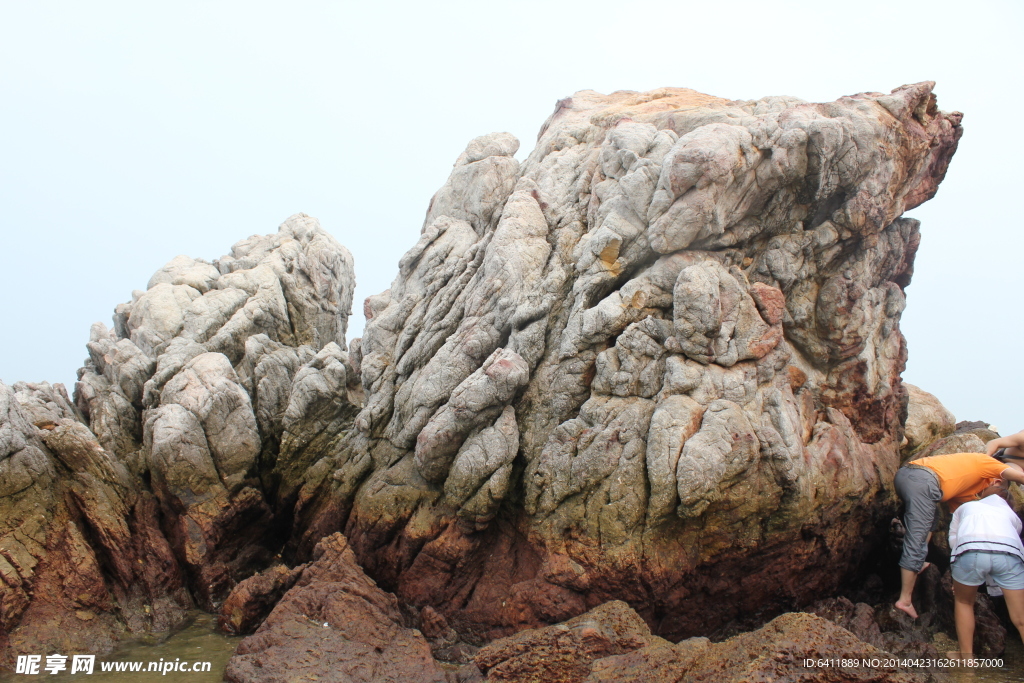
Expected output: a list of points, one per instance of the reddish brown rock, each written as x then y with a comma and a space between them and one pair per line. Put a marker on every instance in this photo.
334, 624
661, 662
82, 557
778, 652
252, 600
610, 644
564, 653
433, 624
858, 619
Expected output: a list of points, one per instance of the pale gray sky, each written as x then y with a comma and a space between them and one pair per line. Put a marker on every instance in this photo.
133, 132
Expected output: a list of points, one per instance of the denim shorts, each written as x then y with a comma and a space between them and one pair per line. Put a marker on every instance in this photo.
975, 566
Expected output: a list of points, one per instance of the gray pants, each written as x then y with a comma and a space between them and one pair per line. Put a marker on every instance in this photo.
919, 489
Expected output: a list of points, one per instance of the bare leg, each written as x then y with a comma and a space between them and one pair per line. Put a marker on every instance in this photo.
963, 613
905, 603
1015, 606
908, 579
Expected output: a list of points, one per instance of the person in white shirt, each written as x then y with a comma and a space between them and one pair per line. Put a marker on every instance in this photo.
984, 538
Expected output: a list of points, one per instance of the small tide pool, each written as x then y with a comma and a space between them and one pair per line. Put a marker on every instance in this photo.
197, 653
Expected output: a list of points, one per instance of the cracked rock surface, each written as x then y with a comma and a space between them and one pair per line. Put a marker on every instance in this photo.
173, 474
334, 623
658, 361
660, 355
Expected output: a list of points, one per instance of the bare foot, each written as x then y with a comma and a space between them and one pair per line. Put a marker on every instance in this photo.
907, 607
960, 655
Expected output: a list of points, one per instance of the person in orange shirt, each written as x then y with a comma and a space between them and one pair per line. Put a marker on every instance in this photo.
954, 478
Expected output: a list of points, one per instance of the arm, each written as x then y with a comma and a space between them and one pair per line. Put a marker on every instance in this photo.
1014, 444
1013, 474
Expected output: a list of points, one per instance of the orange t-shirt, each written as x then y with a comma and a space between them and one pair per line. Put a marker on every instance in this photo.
962, 476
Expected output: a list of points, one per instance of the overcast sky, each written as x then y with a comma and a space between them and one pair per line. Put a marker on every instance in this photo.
136, 131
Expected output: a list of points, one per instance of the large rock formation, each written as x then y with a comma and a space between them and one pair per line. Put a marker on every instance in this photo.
220, 384
658, 361
215, 390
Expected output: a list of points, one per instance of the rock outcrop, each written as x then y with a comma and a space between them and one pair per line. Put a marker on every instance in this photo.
221, 384
334, 624
175, 472
658, 361
82, 555
610, 643
776, 652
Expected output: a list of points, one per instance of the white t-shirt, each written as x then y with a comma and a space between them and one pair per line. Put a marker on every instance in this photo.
989, 524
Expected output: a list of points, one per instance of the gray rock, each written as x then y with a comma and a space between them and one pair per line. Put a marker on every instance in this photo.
927, 421
221, 384
698, 302
658, 361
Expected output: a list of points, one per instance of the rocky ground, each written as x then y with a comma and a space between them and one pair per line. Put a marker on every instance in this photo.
645, 382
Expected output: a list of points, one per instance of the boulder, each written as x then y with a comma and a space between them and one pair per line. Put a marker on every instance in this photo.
927, 421
564, 653
658, 361
252, 599
334, 624
966, 442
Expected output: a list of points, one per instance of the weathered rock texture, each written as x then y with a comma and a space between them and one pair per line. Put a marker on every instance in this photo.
334, 624
927, 421
175, 472
252, 600
221, 384
567, 651
776, 652
82, 556
610, 643
658, 361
